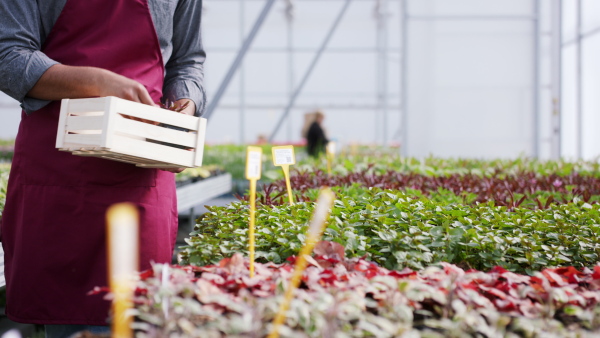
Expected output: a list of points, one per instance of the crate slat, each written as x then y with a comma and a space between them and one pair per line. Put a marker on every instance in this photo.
84, 139
152, 151
91, 152
141, 129
62, 124
200, 142
78, 123
85, 106
115, 156
156, 114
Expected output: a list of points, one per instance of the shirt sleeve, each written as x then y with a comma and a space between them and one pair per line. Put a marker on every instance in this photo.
185, 69
21, 61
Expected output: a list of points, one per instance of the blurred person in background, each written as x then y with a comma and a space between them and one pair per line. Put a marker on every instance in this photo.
309, 118
53, 224
313, 131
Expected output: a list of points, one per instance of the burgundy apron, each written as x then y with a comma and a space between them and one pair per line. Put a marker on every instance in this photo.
53, 225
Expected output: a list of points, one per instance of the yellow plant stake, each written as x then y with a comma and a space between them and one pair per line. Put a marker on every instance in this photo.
354, 149
284, 157
253, 168
123, 263
317, 224
330, 150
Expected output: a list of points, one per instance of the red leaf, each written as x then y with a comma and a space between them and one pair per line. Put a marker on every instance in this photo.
571, 273
493, 292
554, 278
98, 290
330, 249
498, 269
406, 273
235, 264
146, 274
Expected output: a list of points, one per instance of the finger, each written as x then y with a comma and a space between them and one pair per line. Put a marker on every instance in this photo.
145, 96
189, 107
190, 110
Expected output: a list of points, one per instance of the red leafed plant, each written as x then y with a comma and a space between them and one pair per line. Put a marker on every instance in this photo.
499, 187
345, 295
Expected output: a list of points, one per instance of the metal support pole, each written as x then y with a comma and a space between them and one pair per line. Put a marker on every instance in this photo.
470, 17
384, 69
309, 106
536, 78
381, 124
284, 49
584, 35
556, 76
579, 84
404, 80
310, 69
377, 113
290, 52
242, 77
238, 59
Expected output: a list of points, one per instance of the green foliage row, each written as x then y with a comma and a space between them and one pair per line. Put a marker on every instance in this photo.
444, 196
434, 166
6, 150
398, 230
233, 159
4, 142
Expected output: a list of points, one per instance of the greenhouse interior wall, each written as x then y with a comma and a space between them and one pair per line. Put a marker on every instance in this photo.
448, 78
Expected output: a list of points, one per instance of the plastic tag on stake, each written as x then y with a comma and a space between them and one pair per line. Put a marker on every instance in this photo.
313, 235
330, 150
253, 163
253, 171
354, 149
123, 263
283, 156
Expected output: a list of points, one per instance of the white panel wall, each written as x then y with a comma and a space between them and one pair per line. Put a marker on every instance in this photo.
345, 76
470, 82
581, 80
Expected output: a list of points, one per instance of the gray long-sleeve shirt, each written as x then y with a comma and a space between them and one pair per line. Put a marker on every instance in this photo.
25, 24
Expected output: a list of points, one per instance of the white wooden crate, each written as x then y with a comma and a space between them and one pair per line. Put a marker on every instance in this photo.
97, 127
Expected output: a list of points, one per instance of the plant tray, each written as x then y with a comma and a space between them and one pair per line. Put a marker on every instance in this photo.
196, 193
103, 127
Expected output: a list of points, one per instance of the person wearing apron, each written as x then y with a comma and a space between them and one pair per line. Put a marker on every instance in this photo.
53, 224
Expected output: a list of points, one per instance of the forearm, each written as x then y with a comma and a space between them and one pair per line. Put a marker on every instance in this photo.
184, 70
178, 90
61, 81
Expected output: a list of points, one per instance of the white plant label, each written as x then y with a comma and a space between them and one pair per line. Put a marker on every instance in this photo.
283, 156
253, 164
321, 213
331, 147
